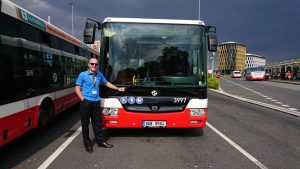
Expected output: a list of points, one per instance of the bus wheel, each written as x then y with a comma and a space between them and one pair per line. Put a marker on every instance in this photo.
45, 117
200, 132
197, 131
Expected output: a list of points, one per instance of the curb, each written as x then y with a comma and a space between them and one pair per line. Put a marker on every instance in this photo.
292, 112
287, 82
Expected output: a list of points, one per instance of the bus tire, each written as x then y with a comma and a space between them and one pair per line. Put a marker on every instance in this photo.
200, 132
45, 116
197, 132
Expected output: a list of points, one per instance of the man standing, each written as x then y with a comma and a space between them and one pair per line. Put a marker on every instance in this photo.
87, 89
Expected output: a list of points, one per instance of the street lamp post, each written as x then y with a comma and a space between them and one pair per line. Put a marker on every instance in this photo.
199, 11
212, 60
72, 4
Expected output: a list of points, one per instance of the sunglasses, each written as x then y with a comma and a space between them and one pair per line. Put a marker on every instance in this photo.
94, 64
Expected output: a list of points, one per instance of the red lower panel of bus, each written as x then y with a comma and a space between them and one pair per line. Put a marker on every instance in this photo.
16, 124
153, 120
65, 102
19, 123
256, 78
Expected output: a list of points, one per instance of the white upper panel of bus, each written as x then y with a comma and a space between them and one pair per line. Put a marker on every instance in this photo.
144, 20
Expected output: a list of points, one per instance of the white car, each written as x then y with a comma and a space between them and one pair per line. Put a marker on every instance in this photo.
236, 74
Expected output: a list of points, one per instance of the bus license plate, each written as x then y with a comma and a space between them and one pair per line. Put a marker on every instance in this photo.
154, 124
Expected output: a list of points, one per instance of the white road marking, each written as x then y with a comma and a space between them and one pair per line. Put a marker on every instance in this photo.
59, 150
279, 108
244, 87
292, 109
240, 149
274, 100
256, 92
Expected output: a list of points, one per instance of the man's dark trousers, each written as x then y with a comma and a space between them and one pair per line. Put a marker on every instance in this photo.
91, 110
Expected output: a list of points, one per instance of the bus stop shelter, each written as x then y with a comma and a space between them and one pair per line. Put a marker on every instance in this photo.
279, 70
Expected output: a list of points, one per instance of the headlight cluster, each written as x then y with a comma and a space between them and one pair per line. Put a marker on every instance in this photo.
110, 112
197, 112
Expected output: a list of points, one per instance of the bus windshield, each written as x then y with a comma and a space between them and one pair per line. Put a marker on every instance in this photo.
144, 54
259, 68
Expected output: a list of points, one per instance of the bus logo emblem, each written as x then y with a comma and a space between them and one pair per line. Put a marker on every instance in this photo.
131, 100
154, 93
123, 100
139, 100
154, 108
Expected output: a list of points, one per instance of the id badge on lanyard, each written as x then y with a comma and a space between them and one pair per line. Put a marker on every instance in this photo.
94, 80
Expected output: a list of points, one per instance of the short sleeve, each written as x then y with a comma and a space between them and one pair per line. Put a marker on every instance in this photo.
79, 81
103, 79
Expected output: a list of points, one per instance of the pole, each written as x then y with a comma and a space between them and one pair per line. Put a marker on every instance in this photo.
72, 22
212, 60
199, 11
72, 4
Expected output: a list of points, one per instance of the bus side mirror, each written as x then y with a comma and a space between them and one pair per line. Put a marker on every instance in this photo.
212, 38
89, 33
212, 43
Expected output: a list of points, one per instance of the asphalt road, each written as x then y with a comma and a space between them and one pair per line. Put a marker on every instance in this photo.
279, 94
271, 137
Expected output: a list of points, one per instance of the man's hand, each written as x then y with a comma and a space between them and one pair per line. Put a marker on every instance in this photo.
121, 89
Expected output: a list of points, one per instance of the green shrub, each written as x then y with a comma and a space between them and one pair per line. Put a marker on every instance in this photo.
213, 83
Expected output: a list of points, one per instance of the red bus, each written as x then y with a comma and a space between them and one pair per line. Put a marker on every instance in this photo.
39, 64
163, 64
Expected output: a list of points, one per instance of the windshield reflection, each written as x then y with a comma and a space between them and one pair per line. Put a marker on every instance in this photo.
154, 54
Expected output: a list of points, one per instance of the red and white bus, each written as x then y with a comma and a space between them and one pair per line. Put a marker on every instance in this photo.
39, 64
163, 64
255, 73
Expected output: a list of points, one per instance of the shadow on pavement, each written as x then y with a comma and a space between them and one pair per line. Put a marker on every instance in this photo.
27, 145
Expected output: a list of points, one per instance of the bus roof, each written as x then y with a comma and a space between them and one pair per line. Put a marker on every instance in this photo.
147, 20
22, 14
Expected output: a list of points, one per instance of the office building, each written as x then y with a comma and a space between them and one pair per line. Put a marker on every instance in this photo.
96, 45
253, 60
231, 56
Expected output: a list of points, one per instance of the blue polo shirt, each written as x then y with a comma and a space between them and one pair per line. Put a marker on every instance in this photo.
90, 84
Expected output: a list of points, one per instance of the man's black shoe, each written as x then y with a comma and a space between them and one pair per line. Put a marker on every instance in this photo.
89, 149
105, 144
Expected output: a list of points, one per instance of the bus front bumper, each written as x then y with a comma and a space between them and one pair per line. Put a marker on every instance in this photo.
154, 120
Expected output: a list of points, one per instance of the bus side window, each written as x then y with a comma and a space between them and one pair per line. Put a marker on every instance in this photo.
67, 47
34, 70
45, 38
30, 33
9, 26
55, 42
11, 74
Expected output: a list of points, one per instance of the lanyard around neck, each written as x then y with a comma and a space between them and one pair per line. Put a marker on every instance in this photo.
94, 79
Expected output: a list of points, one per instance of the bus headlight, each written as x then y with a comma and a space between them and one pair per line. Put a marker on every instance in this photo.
110, 112
197, 112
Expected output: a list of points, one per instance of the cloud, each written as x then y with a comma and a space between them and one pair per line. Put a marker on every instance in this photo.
268, 28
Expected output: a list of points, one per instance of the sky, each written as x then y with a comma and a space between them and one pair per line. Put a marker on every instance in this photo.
269, 28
